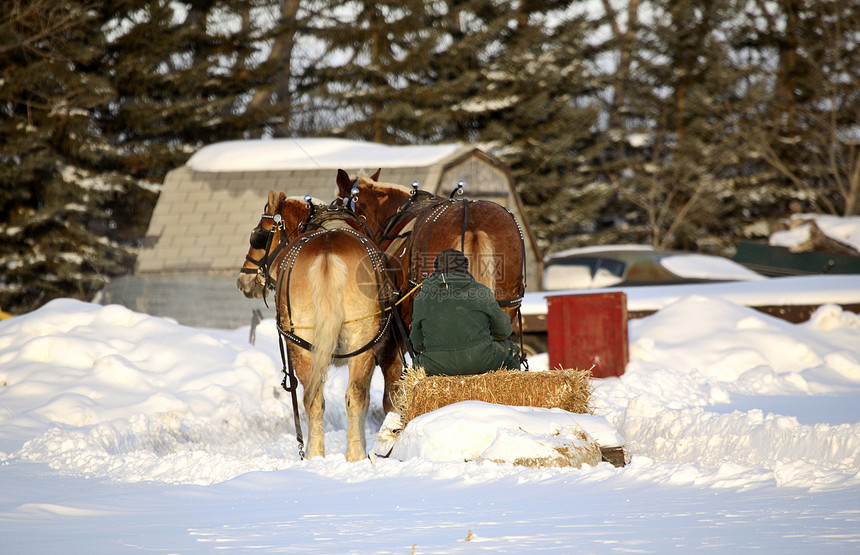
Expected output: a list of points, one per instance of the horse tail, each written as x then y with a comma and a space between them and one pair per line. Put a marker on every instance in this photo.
478, 248
328, 278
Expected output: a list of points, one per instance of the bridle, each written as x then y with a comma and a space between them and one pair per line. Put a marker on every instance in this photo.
348, 202
258, 242
263, 263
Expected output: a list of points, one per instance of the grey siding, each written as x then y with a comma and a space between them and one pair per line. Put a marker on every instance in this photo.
199, 299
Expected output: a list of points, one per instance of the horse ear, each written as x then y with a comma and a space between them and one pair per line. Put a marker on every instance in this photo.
344, 183
375, 177
273, 201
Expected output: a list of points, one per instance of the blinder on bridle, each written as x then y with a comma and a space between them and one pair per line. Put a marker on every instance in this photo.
259, 237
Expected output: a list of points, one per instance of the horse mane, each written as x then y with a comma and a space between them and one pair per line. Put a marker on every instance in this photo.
314, 200
390, 188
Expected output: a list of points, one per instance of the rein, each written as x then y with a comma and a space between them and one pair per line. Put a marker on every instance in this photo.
292, 388
371, 315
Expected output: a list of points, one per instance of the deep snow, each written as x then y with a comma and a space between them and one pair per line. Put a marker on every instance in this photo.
122, 432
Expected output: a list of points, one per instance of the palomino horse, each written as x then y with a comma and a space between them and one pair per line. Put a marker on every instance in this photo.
413, 226
333, 299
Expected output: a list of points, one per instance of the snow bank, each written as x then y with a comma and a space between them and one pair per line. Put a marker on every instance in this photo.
104, 391
474, 430
679, 374
107, 392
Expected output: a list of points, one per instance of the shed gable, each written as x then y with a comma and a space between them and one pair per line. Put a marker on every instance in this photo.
483, 179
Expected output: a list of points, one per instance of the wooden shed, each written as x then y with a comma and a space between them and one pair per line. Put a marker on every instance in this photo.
198, 235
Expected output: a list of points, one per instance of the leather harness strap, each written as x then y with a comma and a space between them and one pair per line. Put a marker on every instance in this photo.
287, 265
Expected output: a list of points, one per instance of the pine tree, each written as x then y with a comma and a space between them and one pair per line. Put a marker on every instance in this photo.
50, 199
183, 81
509, 76
805, 120
277, 90
678, 183
99, 101
374, 60
547, 133
673, 152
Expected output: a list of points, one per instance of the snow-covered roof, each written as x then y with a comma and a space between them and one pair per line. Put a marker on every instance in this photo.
597, 249
208, 206
845, 230
312, 154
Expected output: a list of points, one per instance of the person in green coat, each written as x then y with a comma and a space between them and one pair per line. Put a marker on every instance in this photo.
457, 325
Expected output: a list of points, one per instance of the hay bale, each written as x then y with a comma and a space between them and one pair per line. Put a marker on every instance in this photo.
567, 389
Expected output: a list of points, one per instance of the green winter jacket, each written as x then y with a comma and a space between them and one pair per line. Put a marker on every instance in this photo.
458, 327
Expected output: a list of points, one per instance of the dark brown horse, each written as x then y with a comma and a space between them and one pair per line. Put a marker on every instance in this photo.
413, 226
333, 299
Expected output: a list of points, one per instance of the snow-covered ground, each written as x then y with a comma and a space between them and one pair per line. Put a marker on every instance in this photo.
122, 432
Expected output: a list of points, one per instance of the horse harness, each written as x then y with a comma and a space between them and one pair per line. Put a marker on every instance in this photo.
317, 224
422, 203
286, 269
313, 226
401, 226
314, 221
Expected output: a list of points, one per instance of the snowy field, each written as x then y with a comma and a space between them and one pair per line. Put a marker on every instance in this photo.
122, 432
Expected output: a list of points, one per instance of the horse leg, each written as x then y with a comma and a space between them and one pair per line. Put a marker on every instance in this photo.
314, 403
315, 408
392, 368
357, 398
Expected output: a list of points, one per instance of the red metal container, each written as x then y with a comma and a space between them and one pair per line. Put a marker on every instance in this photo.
588, 331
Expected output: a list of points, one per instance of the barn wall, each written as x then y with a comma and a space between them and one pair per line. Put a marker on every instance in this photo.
482, 181
202, 220
198, 299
